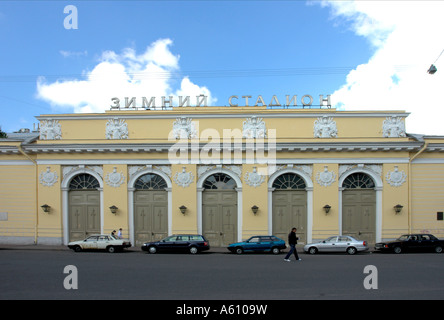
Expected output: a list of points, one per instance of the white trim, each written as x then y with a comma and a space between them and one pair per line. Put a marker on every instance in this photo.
428, 161
309, 189
65, 199
238, 188
131, 190
16, 163
378, 189
231, 161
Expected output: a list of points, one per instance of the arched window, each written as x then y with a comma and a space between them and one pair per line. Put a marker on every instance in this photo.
150, 181
358, 180
84, 181
219, 181
289, 181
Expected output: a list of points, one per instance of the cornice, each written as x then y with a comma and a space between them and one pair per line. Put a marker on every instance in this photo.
166, 147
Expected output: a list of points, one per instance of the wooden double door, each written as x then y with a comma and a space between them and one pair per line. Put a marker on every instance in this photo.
84, 214
219, 217
150, 215
359, 214
290, 210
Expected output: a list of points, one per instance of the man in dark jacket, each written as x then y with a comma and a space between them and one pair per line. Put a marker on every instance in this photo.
292, 241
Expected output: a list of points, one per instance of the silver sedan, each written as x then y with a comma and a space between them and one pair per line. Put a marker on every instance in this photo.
337, 244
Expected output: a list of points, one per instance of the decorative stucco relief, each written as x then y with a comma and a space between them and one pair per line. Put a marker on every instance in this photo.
183, 179
116, 129
396, 178
115, 179
50, 130
325, 127
184, 128
325, 178
48, 178
254, 128
393, 127
254, 179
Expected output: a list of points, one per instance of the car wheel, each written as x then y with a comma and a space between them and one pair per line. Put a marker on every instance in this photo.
111, 249
193, 250
77, 249
239, 250
438, 249
312, 250
351, 250
275, 250
397, 250
152, 250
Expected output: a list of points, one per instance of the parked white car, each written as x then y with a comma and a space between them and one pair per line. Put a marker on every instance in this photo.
337, 244
100, 242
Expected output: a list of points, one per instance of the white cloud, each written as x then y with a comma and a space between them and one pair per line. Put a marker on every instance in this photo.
407, 38
128, 74
67, 54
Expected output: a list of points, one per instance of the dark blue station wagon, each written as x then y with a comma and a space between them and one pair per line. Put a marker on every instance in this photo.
192, 243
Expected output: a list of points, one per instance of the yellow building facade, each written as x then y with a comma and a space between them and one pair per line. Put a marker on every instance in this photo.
225, 172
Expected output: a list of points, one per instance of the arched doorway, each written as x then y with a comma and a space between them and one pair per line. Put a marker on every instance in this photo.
150, 208
84, 206
219, 209
359, 207
289, 206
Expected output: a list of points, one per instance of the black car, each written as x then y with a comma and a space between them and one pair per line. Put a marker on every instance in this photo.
413, 243
192, 243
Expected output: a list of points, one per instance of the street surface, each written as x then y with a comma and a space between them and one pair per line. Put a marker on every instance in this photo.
39, 274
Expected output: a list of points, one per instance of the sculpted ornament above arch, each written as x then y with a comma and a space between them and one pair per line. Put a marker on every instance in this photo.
325, 178
115, 179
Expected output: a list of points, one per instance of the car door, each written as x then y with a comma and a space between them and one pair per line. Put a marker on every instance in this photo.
252, 244
425, 242
181, 243
413, 243
90, 242
265, 243
328, 245
342, 244
102, 242
167, 243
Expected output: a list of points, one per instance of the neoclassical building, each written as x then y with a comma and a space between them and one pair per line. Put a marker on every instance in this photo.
225, 172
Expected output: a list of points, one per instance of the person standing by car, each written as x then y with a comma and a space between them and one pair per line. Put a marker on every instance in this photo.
119, 234
292, 241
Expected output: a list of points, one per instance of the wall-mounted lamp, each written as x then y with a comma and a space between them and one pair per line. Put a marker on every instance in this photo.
254, 208
327, 208
113, 209
45, 208
182, 209
398, 208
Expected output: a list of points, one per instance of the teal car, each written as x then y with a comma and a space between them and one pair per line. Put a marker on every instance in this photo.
258, 244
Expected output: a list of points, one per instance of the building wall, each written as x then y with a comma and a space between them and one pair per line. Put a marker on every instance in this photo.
17, 203
427, 198
83, 148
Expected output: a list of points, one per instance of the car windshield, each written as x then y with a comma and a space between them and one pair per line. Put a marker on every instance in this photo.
404, 237
113, 237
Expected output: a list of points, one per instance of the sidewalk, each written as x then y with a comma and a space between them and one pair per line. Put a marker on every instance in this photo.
65, 248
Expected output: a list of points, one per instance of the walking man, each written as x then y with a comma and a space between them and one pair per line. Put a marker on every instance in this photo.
292, 241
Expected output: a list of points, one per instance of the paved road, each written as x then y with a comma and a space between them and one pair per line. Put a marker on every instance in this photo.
38, 274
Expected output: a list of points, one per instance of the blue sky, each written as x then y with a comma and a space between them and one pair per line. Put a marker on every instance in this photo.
370, 55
